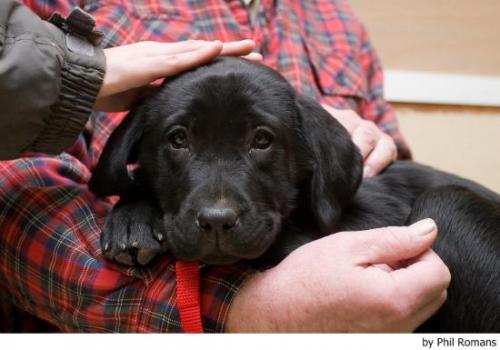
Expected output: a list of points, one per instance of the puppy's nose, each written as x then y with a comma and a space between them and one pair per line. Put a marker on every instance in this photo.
217, 219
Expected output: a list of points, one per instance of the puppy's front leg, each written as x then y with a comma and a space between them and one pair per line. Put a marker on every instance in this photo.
133, 232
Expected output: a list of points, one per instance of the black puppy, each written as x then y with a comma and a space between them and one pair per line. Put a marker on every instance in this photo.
231, 163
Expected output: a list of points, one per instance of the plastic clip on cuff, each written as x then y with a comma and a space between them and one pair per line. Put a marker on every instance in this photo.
79, 28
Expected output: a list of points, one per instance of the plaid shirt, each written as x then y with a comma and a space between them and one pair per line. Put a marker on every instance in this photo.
50, 259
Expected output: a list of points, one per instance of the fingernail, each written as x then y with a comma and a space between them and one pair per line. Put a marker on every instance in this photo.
424, 227
367, 171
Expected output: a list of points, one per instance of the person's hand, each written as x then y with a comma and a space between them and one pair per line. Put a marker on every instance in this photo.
381, 280
131, 69
377, 148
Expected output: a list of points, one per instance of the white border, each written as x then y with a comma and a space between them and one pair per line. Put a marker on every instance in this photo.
250, 342
455, 89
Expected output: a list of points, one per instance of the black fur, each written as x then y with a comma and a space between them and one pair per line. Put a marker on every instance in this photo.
233, 164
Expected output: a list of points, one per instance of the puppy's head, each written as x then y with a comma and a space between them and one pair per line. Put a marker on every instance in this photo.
226, 149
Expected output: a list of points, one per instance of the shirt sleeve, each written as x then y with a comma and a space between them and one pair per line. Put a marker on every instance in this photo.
374, 106
51, 263
43, 71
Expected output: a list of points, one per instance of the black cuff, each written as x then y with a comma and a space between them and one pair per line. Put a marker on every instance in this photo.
80, 84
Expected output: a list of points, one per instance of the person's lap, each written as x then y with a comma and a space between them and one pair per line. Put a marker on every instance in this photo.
50, 235
46, 206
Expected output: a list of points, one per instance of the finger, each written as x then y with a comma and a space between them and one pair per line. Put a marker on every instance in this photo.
233, 48
381, 156
177, 63
366, 137
428, 269
254, 57
154, 48
392, 244
238, 48
426, 311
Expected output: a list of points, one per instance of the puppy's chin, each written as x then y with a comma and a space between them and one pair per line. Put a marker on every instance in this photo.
213, 255
216, 259
219, 258
248, 242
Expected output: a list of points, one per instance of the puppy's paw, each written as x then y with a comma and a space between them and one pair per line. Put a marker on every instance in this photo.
133, 233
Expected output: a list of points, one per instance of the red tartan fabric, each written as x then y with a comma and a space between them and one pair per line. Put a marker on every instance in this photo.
50, 258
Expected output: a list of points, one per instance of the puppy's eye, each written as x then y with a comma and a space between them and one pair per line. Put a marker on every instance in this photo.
262, 139
178, 139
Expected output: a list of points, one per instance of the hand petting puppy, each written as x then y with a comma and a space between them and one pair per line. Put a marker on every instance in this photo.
132, 69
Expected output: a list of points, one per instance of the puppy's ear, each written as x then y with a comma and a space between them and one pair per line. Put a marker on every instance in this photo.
335, 163
110, 176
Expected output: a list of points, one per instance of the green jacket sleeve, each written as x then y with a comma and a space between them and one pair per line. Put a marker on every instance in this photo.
49, 80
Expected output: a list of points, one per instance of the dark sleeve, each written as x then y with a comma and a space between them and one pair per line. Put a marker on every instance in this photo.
49, 80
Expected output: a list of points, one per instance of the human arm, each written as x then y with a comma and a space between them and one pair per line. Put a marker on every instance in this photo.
382, 280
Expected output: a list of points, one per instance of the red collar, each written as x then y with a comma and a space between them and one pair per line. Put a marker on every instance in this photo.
188, 296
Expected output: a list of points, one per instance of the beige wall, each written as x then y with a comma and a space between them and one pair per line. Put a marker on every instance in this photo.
446, 36
464, 142
453, 36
